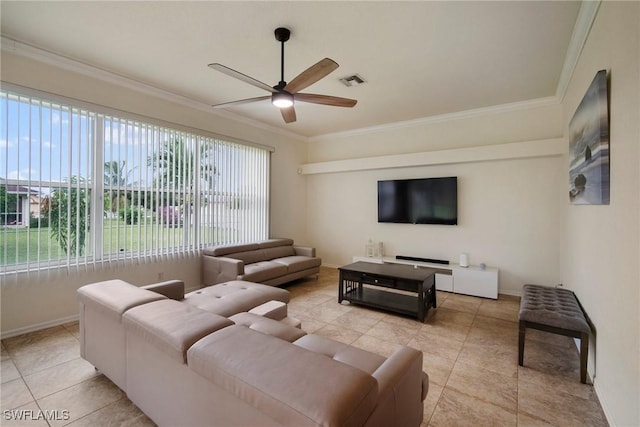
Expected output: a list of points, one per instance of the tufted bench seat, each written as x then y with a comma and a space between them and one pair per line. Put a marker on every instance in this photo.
554, 310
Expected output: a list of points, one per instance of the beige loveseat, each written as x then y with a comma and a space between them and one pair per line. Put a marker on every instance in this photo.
183, 365
269, 262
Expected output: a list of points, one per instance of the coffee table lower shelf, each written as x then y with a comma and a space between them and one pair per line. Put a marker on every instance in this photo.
383, 299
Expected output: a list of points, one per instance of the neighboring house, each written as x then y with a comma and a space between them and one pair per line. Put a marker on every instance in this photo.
27, 205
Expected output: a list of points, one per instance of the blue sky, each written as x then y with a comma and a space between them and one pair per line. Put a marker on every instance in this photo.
42, 144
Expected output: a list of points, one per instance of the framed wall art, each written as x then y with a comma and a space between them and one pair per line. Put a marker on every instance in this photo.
589, 146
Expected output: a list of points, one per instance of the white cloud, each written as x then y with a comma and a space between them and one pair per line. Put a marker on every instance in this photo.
13, 175
24, 174
4, 143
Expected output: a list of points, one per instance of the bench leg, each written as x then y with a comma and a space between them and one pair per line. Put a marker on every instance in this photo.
584, 354
521, 344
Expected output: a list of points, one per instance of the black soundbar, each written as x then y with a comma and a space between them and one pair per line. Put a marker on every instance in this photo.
413, 258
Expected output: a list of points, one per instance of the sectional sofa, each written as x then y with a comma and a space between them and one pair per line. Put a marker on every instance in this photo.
229, 355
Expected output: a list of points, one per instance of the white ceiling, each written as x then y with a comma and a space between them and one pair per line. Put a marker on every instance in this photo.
419, 59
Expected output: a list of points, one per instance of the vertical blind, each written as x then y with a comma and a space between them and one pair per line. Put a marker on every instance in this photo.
81, 187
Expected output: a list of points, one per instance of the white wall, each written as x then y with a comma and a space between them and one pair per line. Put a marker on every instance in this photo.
602, 253
33, 301
507, 216
527, 121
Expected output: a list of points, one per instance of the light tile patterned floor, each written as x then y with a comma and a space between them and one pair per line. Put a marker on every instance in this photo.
470, 353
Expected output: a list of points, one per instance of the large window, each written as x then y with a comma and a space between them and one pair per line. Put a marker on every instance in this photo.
80, 185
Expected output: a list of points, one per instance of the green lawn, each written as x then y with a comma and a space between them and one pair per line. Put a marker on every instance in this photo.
19, 245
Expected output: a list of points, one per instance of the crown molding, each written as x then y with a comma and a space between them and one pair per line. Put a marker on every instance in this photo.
586, 15
508, 151
477, 112
41, 55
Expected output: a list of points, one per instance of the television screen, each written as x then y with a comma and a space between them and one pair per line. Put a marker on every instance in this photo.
419, 201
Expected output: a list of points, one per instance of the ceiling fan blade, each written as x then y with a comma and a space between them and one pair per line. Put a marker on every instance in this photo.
311, 75
288, 114
240, 102
238, 75
325, 100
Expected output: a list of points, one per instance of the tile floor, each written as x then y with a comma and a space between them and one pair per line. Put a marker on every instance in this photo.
470, 353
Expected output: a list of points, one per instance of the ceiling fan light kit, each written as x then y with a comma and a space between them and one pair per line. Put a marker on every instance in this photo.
282, 99
284, 95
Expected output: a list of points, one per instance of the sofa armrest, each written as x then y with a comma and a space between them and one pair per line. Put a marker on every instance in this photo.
220, 269
304, 251
405, 364
173, 289
402, 387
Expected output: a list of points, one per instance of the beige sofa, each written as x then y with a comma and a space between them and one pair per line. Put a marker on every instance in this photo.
270, 262
184, 365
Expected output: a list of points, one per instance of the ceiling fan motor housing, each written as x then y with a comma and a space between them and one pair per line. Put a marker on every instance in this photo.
282, 34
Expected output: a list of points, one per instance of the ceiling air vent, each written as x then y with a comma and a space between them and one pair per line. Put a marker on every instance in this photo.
354, 80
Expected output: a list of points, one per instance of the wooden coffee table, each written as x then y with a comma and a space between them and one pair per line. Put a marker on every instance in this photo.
398, 288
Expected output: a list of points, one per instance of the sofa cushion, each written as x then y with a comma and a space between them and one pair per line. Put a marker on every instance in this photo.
236, 296
173, 289
289, 384
248, 257
272, 243
276, 310
298, 263
172, 326
263, 271
223, 250
268, 326
353, 356
278, 252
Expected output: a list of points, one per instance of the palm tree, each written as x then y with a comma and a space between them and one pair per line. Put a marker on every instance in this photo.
116, 176
176, 169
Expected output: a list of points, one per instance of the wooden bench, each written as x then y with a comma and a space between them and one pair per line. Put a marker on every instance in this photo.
554, 310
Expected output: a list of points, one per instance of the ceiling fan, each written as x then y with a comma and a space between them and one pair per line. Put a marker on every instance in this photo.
284, 95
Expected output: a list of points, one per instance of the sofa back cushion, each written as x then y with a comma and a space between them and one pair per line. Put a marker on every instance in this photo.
344, 353
289, 384
278, 252
272, 243
172, 326
248, 257
224, 250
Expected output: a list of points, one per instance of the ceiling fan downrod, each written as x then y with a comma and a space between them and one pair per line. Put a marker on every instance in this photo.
282, 35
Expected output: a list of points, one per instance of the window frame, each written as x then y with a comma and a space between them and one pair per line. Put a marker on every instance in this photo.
97, 188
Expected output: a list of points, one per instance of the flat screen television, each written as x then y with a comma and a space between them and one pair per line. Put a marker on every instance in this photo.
419, 201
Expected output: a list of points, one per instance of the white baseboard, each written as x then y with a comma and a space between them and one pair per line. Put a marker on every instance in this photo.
512, 293
603, 404
38, 326
332, 265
